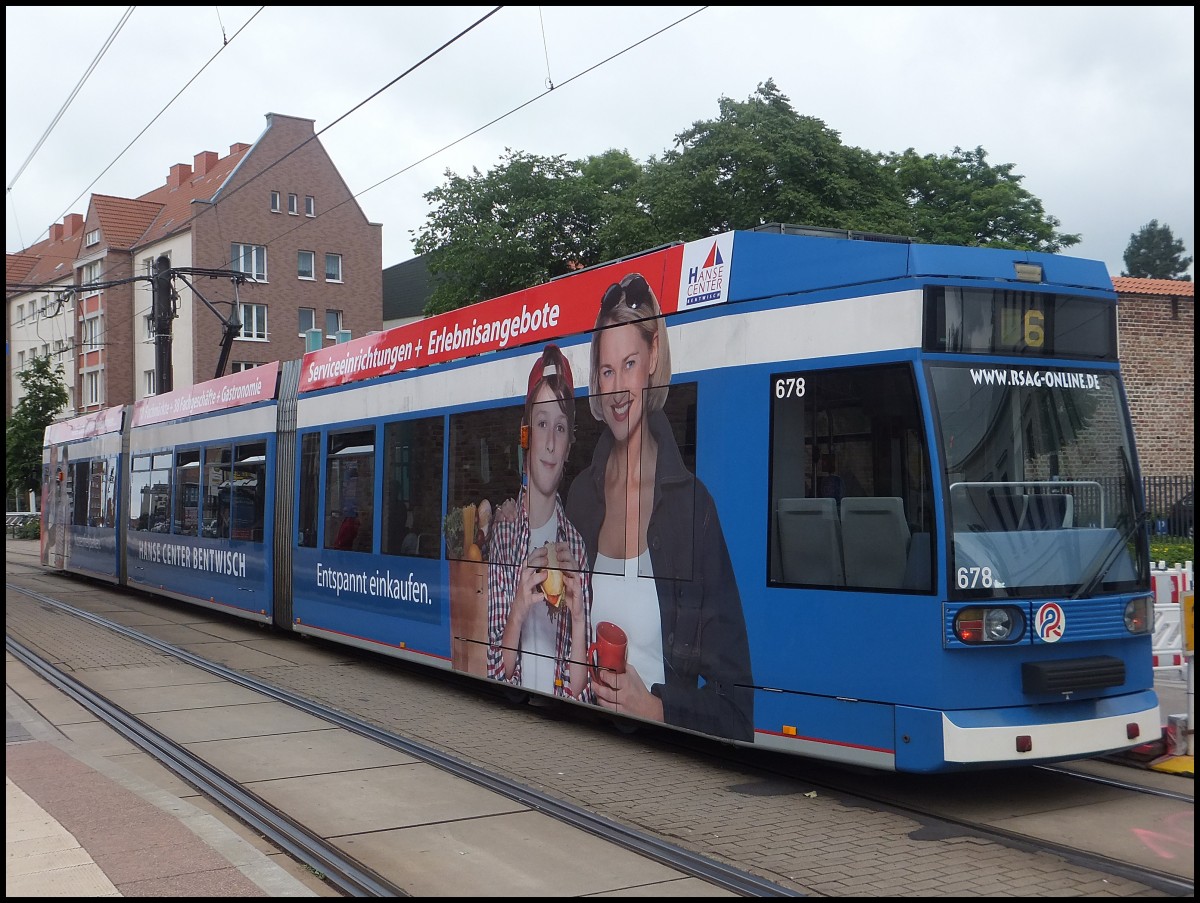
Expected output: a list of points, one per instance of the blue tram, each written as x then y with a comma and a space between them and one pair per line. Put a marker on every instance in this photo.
838, 495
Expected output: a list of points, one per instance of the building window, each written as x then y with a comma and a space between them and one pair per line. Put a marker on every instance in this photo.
333, 267
333, 323
308, 320
91, 388
239, 366
148, 321
91, 334
293, 204
92, 238
249, 259
254, 322
92, 272
20, 360
310, 205
149, 381
20, 312
305, 261
276, 203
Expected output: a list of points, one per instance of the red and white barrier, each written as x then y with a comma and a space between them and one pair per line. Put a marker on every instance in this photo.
1169, 584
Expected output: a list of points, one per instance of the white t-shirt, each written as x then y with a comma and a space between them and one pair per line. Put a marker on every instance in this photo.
631, 602
539, 633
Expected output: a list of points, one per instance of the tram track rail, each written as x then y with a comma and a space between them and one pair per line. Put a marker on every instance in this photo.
348, 876
790, 777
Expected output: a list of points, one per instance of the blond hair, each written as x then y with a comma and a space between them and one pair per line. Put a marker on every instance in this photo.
632, 301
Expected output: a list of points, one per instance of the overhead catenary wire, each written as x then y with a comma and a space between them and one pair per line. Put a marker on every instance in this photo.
83, 79
428, 57
157, 115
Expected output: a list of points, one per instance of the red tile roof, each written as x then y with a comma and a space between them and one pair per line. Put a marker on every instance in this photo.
177, 209
53, 262
123, 220
1127, 285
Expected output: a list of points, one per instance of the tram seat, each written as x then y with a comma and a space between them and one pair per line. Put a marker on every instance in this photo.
875, 539
810, 541
428, 545
994, 509
1007, 507
1048, 512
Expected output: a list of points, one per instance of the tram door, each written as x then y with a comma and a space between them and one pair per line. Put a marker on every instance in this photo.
56, 509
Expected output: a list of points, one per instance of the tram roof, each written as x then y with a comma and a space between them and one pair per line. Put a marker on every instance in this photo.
771, 260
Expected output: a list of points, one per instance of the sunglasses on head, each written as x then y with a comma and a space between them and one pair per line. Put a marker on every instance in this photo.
633, 291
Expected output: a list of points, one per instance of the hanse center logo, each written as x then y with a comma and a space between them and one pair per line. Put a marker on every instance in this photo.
706, 283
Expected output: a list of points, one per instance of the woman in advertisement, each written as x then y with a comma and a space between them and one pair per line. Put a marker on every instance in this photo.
538, 597
642, 513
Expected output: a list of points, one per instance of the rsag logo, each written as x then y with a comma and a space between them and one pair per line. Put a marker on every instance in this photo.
1050, 622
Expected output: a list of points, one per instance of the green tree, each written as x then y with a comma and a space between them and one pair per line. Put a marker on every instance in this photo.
45, 395
961, 199
532, 218
761, 162
1154, 252
528, 220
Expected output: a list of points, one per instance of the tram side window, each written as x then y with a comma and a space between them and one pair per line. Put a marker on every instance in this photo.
851, 490
139, 485
412, 487
310, 479
81, 478
96, 498
186, 521
150, 492
108, 480
247, 491
217, 466
485, 463
350, 491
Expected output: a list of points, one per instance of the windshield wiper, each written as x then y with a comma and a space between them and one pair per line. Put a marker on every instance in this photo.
1138, 521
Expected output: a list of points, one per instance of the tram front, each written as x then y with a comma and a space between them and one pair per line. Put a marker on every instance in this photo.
1047, 550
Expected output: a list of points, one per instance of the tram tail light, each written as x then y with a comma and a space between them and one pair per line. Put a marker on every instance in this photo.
1139, 614
979, 624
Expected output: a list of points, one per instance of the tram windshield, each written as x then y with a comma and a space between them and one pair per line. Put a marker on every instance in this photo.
1039, 482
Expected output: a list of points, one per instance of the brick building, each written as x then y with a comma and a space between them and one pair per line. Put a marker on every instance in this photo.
1156, 321
277, 211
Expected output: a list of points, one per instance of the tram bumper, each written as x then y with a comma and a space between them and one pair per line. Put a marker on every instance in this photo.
1020, 735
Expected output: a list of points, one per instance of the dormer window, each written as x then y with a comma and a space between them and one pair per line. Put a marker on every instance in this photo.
92, 238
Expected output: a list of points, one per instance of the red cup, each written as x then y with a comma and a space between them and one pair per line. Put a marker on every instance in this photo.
608, 652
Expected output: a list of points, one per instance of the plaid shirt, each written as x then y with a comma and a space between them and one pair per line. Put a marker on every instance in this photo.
508, 549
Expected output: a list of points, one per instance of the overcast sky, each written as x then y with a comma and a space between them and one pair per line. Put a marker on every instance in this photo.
1094, 107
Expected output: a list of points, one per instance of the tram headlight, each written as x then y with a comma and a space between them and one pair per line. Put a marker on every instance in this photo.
1139, 614
998, 625
981, 624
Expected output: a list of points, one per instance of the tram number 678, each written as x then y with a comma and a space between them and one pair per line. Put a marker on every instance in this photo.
789, 387
972, 578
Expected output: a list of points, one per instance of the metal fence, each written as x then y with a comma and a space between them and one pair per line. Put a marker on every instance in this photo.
1170, 501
